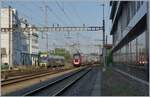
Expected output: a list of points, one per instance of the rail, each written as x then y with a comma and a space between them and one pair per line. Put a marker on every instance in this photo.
58, 86
28, 77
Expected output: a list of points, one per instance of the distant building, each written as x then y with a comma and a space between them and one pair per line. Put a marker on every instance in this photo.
108, 48
10, 40
130, 33
33, 46
25, 54
17, 47
29, 45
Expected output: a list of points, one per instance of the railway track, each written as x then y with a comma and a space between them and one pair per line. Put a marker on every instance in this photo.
58, 86
28, 77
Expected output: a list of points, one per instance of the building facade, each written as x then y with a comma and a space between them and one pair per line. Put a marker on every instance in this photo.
130, 34
33, 47
29, 42
10, 40
17, 47
25, 54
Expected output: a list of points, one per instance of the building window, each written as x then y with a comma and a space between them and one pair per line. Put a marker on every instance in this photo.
128, 14
141, 2
133, 8
3, 52
141, 49
138, 5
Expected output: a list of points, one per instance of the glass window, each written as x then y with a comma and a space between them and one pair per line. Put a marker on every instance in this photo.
128, 15
133, 51
133, 8
124, 54
141, 49
138, 5
129, 53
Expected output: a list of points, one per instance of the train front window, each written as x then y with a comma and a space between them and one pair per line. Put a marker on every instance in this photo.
76, 57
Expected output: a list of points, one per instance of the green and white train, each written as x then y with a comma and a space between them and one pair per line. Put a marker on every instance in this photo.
47, 60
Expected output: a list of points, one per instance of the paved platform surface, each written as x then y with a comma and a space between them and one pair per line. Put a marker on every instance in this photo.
118, 83
89, 85
97, 86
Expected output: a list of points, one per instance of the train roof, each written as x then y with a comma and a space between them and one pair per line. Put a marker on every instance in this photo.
57, 57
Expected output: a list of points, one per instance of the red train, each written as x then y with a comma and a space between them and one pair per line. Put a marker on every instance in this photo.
80, 59
77, 59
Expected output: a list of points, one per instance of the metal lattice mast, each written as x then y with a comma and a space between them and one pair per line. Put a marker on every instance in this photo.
46, 25
104, 52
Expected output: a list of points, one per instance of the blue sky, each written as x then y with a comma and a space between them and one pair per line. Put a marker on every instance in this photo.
78, 12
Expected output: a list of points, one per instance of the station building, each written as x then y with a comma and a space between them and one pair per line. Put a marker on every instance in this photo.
130, 33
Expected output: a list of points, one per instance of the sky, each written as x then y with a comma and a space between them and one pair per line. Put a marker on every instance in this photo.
66, 13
